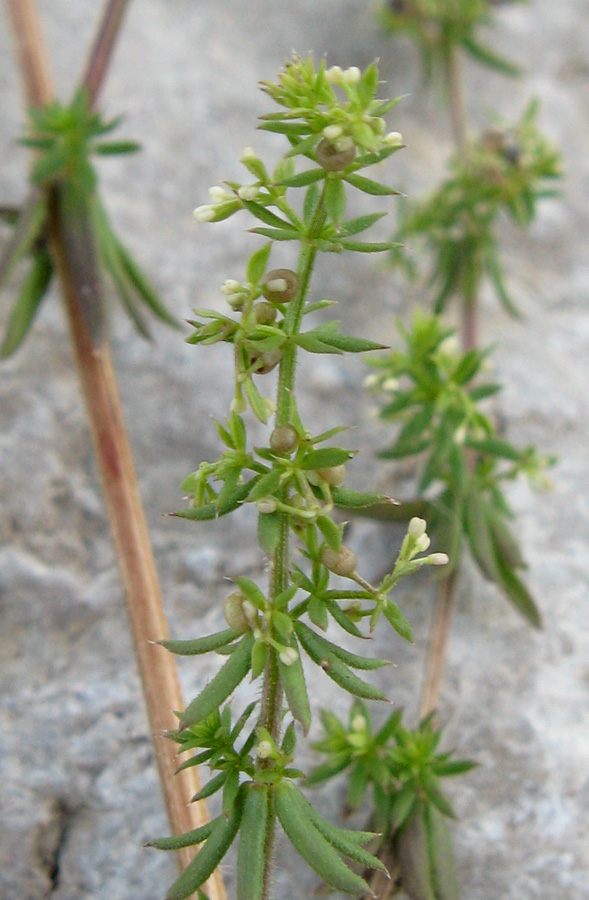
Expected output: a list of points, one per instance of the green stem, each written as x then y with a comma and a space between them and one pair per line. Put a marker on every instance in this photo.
271, 702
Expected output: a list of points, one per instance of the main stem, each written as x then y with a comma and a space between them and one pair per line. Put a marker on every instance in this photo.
272, 694
148, 624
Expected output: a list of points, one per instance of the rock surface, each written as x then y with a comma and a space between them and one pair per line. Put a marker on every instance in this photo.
78, 791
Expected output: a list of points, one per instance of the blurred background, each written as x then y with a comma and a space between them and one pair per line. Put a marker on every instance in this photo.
78, 791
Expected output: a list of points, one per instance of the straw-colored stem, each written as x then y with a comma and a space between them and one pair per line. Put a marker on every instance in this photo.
157, 668
103, 46
439, 645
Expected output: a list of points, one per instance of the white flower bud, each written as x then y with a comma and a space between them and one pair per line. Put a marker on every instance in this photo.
352, 75
390, 384
331, 132
370, 381
422, 543
266, 505
248, 153
204, 214
393, 139
248, 192
460, 435
417, 527
238, 405
264, 749
288, 656
343, 143
334, 75
231, 286
218, 194
358, 723
438, 559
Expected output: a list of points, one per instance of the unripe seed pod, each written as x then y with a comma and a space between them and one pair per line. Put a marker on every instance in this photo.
284, 439
234, 613
265, 361
340, 562
333, 475
281, 285
331, 158
264, 313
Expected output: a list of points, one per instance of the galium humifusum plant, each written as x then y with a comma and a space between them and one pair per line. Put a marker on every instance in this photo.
433, 392
332, 123
61, 229
403, 769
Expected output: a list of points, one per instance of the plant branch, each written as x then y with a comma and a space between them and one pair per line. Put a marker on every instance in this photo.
157, 669
104, 42
439, 645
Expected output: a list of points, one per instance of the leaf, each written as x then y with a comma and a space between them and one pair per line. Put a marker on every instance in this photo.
398, 621
201, 645
295, 688
372, 247
28, 229
366, 663
222, 685
326, 457
367, 186
113, 147
489, 58
267, 485
188, 839
442, 856
495, 447
333, 667
518, 594
310, 176
349, 499
343, 620
257, 264
356, 226
251, 590
142, 285
506, 546
269, 218
335, 200
269, 531
204, 864
479, 537
276, 234
259, 659
412, 853
254, 826
211, 787
256, 401
331, 532
311, 844
27, 303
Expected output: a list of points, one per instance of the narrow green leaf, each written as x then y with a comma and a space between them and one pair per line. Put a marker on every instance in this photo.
326, 457
209, 857
255, 821
367, 186
365, 663
479, 537
369, 247
27, 303
295, 688
343, 620
276, 234
311, 844
201, 645
211, 787
333, 667
362, 223
398, 621
310, 176
28, 229
494, 446
259, 658
269, 218
269, 531
251, 590
335, 200
349, 499
330, 531
222, 685
188, 839
257, 264
266, 486
256, 401
518, 594
142, 285
114, 147
489, 58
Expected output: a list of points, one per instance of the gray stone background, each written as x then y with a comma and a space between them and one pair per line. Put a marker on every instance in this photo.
78, 792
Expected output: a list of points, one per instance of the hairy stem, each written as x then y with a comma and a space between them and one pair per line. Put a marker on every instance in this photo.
272, 695
157, 668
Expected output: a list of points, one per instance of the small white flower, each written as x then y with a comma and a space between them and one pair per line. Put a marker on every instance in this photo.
266, 505
394, 139
460, 435
422, 543
343, 143
248, 192
248, 153
352, 75
438, 559
334, 75
358, 723
331, 132
390, 384
417, 527
264, 749
204, 213
288, 656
